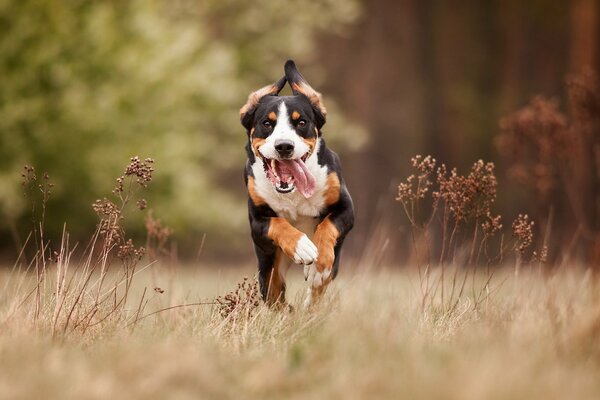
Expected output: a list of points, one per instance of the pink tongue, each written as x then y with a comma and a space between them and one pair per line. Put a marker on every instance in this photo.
303, 179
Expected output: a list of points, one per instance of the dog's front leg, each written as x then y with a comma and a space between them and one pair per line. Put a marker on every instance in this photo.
295, 244
329, 236
273, 236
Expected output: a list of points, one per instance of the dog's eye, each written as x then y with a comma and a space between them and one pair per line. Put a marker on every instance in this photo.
302, 123
267, 124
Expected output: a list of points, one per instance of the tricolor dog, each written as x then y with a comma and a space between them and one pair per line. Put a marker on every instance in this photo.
299, 208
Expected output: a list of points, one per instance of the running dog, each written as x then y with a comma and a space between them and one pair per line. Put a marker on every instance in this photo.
299, 208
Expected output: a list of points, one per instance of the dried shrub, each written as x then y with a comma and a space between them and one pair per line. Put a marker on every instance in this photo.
157, 237
84, 297
536, 140
461, 202
492, 225
522, 229
417, 186
556, 156
240, 303
468, 197
584, 96
461, 199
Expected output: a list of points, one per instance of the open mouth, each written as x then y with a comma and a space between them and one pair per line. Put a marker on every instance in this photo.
288, 175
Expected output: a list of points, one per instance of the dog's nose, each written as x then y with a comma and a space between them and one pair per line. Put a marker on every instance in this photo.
284, 147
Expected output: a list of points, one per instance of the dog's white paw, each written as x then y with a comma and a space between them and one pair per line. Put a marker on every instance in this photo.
314, 277
306, 251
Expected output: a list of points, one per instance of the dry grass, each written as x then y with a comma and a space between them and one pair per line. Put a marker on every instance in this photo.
119, 321
532, 337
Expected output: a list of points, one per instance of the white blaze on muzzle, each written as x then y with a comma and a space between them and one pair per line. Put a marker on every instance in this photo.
291, 172
283, 131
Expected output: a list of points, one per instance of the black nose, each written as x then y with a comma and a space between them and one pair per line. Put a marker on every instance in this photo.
284, 147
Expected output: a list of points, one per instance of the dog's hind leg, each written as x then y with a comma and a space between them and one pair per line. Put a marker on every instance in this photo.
271, 277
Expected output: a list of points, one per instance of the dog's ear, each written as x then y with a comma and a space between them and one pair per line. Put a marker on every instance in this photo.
247, 111
300, 86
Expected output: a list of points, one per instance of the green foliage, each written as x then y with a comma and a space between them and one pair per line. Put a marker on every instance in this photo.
85, 85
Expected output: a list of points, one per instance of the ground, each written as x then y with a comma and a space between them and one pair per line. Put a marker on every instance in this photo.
535, 336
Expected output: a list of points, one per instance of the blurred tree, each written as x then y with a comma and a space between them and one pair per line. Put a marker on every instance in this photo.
435, 77
85, 85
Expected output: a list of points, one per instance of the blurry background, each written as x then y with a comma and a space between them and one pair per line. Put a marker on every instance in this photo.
86, 85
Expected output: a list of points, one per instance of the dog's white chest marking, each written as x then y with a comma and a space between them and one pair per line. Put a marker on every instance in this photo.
293, 205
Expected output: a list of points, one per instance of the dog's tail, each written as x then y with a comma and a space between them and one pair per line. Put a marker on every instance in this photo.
299, 86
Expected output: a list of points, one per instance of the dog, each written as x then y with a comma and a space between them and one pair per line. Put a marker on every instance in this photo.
299, 208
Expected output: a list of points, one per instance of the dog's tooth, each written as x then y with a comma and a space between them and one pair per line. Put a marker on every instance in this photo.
273, 164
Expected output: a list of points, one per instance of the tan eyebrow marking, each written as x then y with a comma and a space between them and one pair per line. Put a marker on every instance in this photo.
295, 115
272, 116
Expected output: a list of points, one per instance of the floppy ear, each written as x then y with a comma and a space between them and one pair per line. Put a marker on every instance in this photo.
247, 111
300, 86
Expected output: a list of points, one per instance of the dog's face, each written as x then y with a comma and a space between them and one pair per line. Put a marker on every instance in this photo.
284, 130
283, 135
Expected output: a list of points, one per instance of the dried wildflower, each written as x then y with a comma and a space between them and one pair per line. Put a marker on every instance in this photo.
245, 298
129, 253
157, 236
141, 204
492, 225
416, 187
28, 176
404, 191
159, 290
142, 170
45, 187
542, 256
523, 230
119, 188
31, 182
110, 217
424, 165
468, 196
126, 250
106, 208
139, 252
536, 139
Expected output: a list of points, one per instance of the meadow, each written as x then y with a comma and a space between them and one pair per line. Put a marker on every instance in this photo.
112, 319
373, 336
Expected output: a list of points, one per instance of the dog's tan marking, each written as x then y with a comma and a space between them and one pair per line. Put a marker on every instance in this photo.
276, 284
313, 96
284, 235
272, 116
311, 143
256, 143
295, 115
332, 194
325, 238
256, 199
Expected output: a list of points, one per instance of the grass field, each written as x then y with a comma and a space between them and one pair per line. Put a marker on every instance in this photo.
532, 337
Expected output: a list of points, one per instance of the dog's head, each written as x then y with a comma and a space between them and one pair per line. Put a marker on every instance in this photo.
284, 130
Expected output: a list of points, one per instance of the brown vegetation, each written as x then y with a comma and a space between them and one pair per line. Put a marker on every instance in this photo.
557, 157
